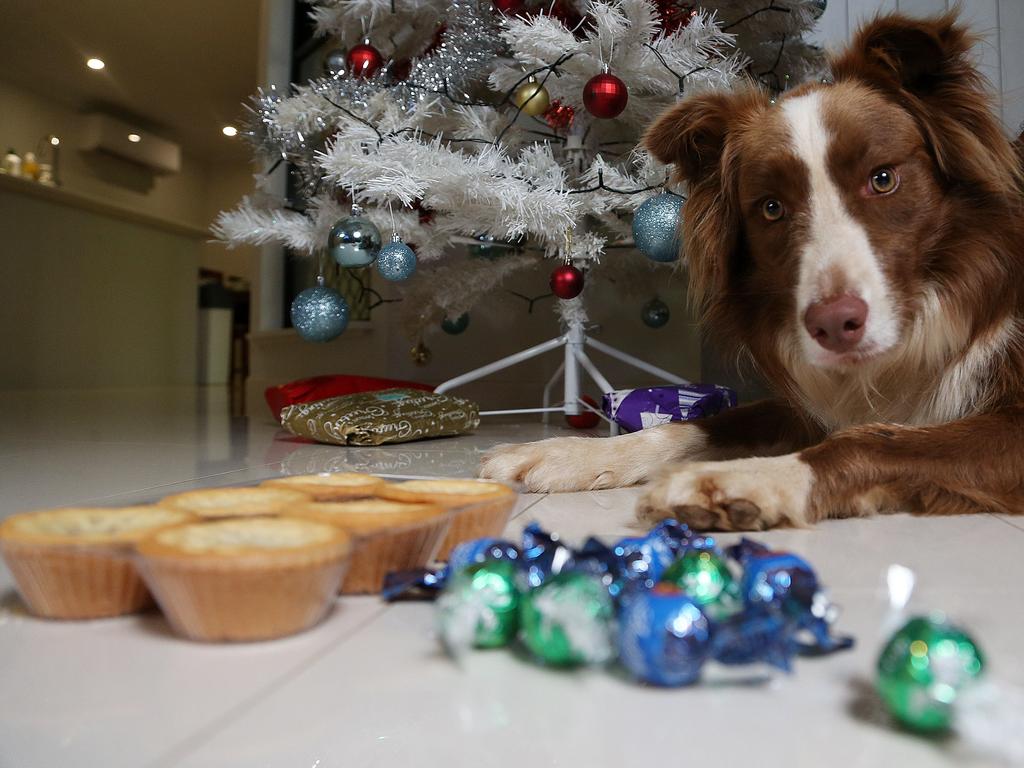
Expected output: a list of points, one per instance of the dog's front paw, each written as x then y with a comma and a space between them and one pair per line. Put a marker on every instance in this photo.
741, 495
558, 464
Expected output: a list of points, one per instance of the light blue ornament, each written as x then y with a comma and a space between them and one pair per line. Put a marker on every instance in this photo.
354, 241
656, 227
319, 313
396, 260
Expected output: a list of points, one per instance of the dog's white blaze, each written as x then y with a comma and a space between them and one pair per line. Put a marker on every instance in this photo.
837, 256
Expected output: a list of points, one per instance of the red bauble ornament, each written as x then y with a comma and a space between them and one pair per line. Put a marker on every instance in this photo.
508, 7
565, 12
605, 96
674, 14
400, 70
364, 60
567, 282
425, 214
560, 116
436, 40
586, 419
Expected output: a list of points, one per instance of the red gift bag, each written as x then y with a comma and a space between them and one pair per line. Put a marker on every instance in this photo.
322, 387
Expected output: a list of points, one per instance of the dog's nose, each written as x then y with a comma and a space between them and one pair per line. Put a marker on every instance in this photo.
837, 323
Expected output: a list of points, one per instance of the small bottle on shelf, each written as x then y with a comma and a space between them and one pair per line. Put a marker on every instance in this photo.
11, 164
30, 166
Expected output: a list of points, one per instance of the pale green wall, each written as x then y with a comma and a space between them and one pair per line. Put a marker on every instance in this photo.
87, 300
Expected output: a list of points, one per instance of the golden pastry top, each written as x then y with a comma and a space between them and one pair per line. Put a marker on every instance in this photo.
90, 525
243, 536
363, 515
236, 502
328, 485
344, 479
447, 492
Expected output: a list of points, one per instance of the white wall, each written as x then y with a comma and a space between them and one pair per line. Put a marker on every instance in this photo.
1000, 54
92, 300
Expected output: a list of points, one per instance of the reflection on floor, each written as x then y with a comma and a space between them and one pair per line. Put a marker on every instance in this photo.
368, 687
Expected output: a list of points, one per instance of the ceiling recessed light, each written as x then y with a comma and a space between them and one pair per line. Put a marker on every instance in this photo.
134, 138
95, 63
229, 130
54, 140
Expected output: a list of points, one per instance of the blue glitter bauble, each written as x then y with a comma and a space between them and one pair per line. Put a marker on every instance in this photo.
354, 241
655, 313
396, 261
656, 227
319, 314
456, 326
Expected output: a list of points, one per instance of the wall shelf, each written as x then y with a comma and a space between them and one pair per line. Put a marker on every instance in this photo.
63, 196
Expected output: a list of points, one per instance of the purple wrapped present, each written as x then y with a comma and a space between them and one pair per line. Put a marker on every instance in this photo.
635, 409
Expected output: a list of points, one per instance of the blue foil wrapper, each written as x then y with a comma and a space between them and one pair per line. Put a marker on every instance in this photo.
664, 637
636, 409
479, 550
786, 584
752, 638
544, 555
645, 558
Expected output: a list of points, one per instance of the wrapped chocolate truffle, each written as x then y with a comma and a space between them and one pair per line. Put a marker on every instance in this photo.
479, 607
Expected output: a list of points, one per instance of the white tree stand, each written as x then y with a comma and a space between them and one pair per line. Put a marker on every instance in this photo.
573, 341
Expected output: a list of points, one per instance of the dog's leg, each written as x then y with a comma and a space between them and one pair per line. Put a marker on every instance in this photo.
974, 464
586, 463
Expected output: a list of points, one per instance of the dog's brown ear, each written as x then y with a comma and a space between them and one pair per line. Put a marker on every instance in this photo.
926, 65
917, 55
694, 137
691, 135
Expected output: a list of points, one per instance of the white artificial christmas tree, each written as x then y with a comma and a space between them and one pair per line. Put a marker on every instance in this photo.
439, 148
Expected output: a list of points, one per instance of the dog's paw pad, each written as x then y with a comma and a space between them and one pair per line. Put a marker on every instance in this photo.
741, 495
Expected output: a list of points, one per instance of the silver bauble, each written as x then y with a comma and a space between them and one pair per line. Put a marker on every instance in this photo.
354, 241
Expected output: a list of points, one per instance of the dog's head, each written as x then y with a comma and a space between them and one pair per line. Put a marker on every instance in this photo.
816, 225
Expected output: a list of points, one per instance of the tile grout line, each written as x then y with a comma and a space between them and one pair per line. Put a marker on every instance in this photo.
524, 510
1008, 522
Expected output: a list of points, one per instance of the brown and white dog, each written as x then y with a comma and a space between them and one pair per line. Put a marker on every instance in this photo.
863, 241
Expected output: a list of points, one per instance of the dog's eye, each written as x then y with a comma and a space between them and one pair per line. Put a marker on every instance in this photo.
772, 209
884, 181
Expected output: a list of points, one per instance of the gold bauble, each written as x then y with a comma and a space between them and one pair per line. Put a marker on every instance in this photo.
420, 354
532, 98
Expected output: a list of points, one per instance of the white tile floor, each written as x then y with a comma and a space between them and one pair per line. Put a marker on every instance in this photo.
368, 687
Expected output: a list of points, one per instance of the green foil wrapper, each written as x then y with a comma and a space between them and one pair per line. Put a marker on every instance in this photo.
567, 620
705, 577
480, 607
923, 669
